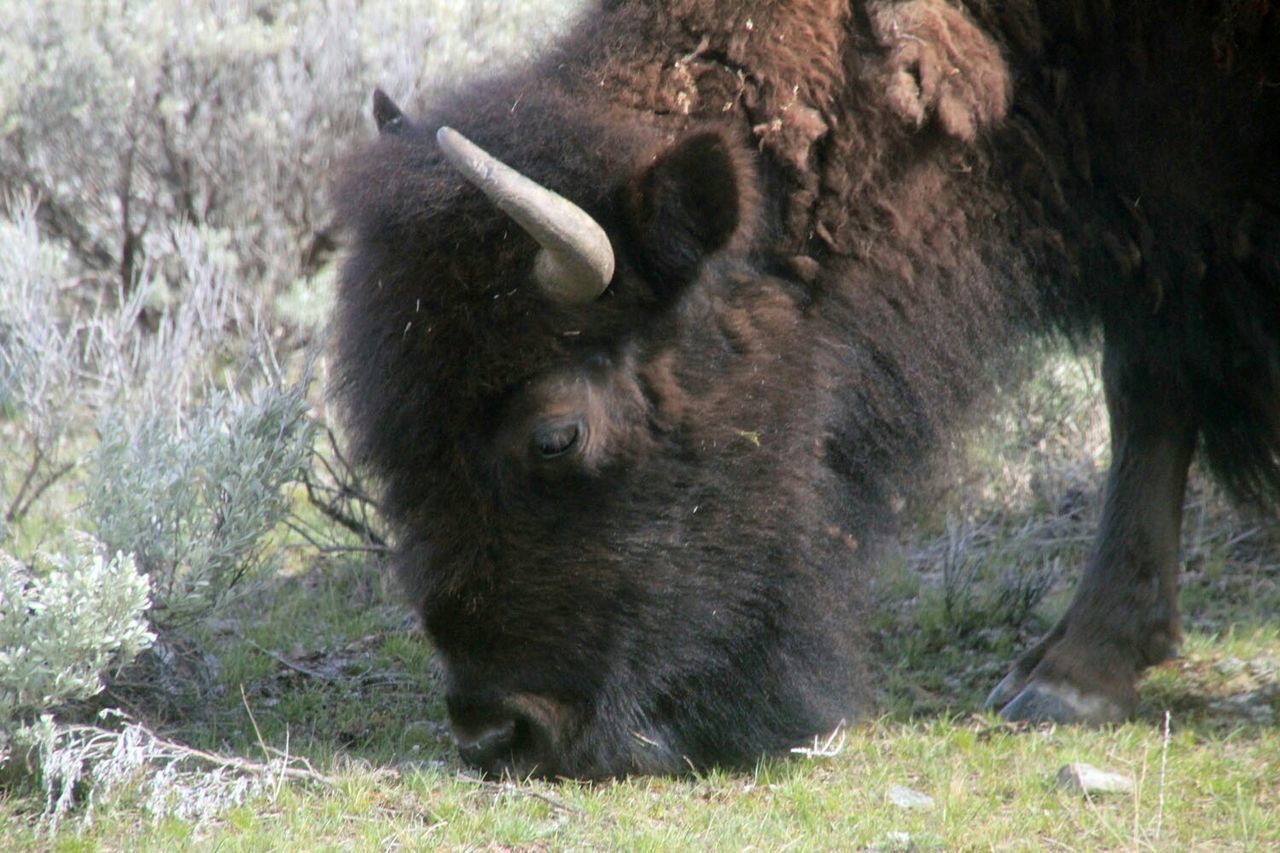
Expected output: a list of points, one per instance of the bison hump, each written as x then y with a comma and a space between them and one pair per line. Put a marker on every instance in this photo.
938, 63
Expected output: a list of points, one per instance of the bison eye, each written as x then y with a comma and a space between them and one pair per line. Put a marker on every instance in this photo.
556, 438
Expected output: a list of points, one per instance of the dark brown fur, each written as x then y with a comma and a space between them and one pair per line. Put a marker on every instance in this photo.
830, 221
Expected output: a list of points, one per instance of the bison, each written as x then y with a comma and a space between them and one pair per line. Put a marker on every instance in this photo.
647, 340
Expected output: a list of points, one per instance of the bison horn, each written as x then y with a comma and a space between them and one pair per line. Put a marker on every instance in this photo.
575, 264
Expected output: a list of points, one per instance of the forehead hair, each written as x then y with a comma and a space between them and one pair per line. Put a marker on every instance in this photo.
440, 281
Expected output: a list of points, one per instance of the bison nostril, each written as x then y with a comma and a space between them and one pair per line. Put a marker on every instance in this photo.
516, 734
488, 745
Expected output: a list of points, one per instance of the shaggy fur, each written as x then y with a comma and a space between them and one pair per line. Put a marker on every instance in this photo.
830, 219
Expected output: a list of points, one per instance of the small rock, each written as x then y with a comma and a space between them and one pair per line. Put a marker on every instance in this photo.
1265, 668
1230, 666
905, 798
895, 841
1253, 706
406, 768
1086, 779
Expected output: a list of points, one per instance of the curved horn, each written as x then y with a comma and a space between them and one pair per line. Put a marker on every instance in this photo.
575, 264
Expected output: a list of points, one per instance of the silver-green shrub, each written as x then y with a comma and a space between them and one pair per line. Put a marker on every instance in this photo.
40, 360
195, 501
36, 353
64, 618
187, 478
127, 118
184, 468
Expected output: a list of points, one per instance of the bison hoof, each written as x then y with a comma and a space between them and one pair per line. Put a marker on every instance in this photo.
1010, 686
1046, 702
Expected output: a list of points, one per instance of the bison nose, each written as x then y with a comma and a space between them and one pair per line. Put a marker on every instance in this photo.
499, 734
488, 746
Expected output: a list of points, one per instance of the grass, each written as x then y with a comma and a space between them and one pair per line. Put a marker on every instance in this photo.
991, 787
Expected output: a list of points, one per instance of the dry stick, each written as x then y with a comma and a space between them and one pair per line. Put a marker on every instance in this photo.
309, 774
346, 488
364, 679
331, 512
30, 490
37, 456
256, 731
1164, 755
40, 489
1137, 792
511, 788
323, 676
284, 760
267, 751
333, 549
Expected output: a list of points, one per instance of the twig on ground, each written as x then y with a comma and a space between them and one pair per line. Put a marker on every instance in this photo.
95, 735
512, 788
254, 721
830, 748
1164, 757
297, 667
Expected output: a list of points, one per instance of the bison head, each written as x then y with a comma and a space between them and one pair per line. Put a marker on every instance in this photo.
620, 508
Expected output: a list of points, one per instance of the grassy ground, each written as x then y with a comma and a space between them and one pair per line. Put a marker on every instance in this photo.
990, 788
354, 694
323, 664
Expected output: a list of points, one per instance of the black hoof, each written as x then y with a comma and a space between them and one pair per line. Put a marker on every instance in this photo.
1042, 702
1010, 686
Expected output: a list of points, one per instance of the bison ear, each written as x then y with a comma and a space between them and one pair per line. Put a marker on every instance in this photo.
691, 202
386, 115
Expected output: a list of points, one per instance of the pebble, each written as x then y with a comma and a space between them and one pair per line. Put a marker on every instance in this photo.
1230, 666
905, 798
895, 841
1087, 779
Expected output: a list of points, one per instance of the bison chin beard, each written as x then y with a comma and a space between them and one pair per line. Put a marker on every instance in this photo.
623, 742
730, 715
732, 722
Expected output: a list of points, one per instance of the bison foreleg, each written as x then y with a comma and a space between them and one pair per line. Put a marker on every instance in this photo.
1124, 616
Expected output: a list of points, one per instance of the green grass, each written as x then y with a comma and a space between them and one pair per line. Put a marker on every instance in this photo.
991, 786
